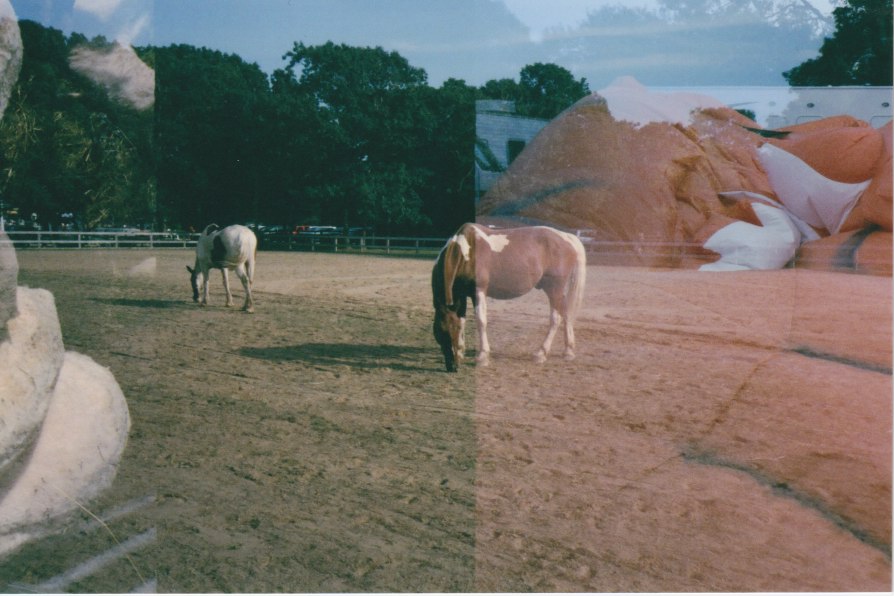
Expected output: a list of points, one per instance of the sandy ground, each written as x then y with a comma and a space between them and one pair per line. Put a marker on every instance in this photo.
717, 432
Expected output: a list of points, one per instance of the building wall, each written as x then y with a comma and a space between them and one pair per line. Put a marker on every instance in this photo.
497, 128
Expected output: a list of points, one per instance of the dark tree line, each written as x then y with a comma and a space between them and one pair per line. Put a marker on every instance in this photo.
66, 147
859, 53
339, 135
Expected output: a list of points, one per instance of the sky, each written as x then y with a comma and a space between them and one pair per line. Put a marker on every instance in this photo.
472, 40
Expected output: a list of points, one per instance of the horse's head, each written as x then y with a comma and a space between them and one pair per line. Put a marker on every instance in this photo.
448, 331
193, 280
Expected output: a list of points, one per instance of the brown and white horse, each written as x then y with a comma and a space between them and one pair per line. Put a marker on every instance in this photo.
233, 248
479, 262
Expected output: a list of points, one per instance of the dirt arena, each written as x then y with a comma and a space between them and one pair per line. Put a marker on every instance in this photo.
717, 432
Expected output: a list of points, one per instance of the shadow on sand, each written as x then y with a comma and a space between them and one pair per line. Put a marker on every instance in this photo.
410, 358
142, 303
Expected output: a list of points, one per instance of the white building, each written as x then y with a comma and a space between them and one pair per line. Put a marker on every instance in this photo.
777, 107
500, 135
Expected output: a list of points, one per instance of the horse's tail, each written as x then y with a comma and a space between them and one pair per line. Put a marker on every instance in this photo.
578, 282
210, 229
250, 261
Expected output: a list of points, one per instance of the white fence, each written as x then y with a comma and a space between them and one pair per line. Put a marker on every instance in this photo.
34, 239
140, 239
653, 254
338, 243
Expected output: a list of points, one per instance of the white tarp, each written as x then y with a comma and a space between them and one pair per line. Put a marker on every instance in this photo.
819, 201
744, 246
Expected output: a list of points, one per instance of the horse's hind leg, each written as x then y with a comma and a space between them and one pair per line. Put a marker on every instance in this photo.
569, 339
248, 306
556, 318
226, 284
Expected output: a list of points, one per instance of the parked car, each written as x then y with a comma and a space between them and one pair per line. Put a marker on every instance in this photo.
320, 231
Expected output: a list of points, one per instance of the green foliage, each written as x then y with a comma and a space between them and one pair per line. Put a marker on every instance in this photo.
859, 53
65, 147
393, 150
505, 89
543, 90
548, 89
211, 158
340, 135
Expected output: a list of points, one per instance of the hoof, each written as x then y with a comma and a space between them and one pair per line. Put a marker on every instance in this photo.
540, 357
483, 359
569, 356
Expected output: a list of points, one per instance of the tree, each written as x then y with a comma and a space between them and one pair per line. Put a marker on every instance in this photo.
375, 107
505, 89
858, 53
65, 146
341, 135
543, 90
211, 155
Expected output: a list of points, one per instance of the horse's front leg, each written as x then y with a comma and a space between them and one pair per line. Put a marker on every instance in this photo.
459, 352
226, 284
483, 358
204, 298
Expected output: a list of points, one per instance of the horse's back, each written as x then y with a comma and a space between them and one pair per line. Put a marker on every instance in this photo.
513, 261
241, 237
229, 247
241, 244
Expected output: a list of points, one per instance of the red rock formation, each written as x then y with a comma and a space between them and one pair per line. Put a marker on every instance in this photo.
648, 193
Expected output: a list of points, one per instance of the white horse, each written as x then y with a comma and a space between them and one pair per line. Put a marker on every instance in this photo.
478, 263
233, 248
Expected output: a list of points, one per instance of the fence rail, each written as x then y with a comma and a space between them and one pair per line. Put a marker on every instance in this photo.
339, 243
140, 239
129, 239
654, 254
308, 242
